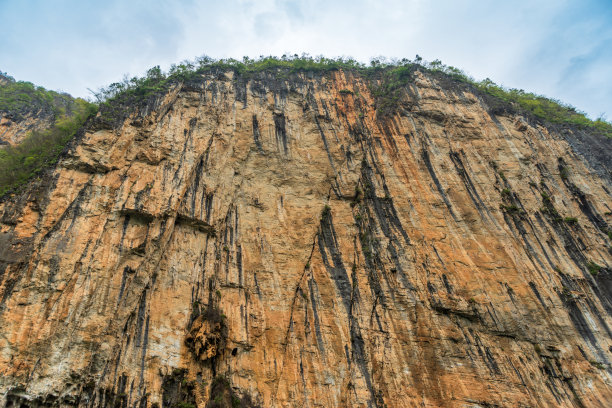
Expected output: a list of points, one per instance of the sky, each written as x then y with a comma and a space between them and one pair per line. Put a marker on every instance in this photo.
558, 48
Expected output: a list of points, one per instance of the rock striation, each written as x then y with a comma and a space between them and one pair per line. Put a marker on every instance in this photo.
13, 131
280, 240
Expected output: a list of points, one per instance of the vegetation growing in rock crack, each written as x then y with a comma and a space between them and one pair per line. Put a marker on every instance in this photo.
326, 211
177, 391
593, 268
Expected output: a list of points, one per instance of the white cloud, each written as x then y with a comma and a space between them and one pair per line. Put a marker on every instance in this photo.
559, 48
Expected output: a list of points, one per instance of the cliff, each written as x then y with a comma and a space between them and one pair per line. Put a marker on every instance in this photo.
294, 239
25, 108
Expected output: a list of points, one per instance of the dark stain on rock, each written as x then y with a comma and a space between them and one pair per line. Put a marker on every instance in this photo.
434, 177
317, 324
257, 134
281, 132
328, 247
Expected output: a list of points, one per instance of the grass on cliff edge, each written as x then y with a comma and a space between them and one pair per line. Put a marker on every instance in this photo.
40, 149
391, 77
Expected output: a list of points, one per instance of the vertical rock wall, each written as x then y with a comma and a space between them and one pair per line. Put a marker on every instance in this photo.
278, 241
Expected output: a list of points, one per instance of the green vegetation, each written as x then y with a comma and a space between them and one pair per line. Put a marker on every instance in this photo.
391, 82
566, 293
593, 268
388, 79
177, 390
564, 173
19, 98
118, 98
597, 364
571, 220
551, 110
40, 149
512, 209
550, 210
357, 197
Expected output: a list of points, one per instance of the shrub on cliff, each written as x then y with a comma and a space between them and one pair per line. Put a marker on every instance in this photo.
387, 80
40, 149
19, 98
551, 110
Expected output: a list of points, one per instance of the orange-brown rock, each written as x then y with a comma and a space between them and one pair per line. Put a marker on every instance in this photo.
207, 336
442, 254
13, 131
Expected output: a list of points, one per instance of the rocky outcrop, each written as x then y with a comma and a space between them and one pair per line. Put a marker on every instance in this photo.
14, 130
435, 254
25, 108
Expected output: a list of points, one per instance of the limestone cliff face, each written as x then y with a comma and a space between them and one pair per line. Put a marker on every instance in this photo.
14, 130
278, 233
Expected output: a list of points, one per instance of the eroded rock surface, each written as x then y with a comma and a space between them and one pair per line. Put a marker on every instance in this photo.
439, 255
14, 130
